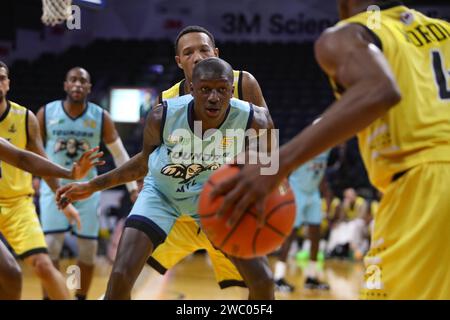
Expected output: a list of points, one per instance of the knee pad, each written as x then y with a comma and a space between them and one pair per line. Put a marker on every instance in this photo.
87, 250
55, 242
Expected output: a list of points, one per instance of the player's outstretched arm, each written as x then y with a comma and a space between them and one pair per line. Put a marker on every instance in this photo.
40, 166
132, 170
349, 57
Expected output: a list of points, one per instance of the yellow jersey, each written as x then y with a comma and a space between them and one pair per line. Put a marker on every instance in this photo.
374, 206
356, 209
177, 90
13, 127
332, 208
417, 129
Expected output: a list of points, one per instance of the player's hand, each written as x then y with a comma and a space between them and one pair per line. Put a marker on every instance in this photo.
72, 215
87, 160
72, 192
243, 190
133, 195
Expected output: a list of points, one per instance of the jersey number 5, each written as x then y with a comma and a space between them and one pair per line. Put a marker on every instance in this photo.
440, 74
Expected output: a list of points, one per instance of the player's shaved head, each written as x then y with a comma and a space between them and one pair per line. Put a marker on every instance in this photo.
80, 70
212, 68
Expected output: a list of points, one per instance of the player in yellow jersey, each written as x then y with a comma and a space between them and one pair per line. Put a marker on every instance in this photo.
18, 220
10, 274
354, 216
192, 45
394, 89
353, 205
195, 43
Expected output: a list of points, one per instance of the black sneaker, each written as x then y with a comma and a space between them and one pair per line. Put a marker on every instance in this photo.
282, 286
313, 283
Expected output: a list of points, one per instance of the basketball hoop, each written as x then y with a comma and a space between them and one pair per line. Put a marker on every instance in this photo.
56, 11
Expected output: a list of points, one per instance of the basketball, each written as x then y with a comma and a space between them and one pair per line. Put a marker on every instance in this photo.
246, 239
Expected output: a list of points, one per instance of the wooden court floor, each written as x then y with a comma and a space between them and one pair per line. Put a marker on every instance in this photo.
193, 278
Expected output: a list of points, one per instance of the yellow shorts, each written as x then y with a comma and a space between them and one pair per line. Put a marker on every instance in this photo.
409, 256
20, 226
185, 238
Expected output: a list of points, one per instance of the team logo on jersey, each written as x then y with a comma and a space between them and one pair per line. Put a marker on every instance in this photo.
12, 129
227, 142
55, 121
187, 172
407, 18
90, 124
72, 146
173, 139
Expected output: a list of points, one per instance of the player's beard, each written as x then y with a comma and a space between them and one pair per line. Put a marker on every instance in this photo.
2, 97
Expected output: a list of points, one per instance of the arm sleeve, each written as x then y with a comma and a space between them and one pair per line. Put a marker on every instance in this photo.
120, 156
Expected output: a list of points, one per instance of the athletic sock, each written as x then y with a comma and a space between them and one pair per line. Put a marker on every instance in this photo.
280, 270
311, 270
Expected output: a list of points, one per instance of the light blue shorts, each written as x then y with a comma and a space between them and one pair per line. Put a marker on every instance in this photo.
54, 220
156, 215
309, 208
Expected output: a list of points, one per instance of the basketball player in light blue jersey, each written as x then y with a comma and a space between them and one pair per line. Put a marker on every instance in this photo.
305, 183
172, 189
69, 127
193, 44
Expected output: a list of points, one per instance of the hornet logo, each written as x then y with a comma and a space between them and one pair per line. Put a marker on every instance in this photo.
72, 146
12, 129
187, 172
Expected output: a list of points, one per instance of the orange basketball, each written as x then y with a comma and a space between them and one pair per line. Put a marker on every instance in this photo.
246, 239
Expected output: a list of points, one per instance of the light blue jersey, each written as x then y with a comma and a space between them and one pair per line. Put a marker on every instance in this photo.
180, 175
67, 139
304, 183
308, 176
183, 162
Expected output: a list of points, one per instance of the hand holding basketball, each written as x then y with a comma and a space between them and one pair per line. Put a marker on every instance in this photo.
247, 238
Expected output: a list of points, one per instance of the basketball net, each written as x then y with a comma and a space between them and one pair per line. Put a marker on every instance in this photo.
56, 11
